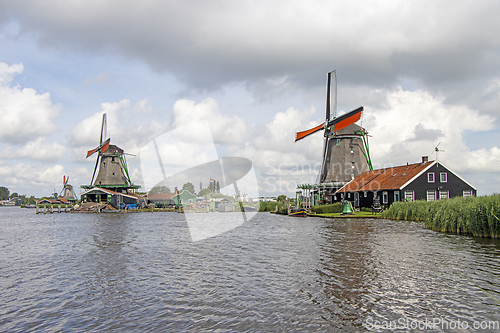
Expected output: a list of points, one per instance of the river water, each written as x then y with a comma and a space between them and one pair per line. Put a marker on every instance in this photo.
144, 273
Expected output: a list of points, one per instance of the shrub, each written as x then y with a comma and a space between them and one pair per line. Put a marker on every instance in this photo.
337, 207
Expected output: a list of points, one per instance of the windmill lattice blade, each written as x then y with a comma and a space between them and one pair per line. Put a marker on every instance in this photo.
328, 84
303, 134
105, 146
346, 119
334, 108
90, 152
103, 128
95, 168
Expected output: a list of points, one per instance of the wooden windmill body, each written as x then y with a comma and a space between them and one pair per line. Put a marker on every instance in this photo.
113, 172
345, 152
345, 156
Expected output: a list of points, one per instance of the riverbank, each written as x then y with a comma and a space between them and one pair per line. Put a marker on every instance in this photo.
477, 216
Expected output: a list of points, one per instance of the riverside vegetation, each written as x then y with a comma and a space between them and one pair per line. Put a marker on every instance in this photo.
477, 216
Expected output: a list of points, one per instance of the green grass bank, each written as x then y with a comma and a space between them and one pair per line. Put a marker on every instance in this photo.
477, 216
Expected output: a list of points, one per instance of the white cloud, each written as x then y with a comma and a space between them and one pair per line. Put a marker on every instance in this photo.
225, 129
412, 123
24, 114
123, 127
38, 149
21, 174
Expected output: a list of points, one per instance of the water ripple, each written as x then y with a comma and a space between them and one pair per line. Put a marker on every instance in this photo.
142, 272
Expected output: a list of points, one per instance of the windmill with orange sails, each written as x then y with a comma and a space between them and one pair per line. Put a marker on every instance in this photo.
345, 149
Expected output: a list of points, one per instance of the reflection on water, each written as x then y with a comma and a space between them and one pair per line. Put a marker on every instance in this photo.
143, 272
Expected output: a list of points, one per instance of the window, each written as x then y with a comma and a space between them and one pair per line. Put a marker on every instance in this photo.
431, 195
352, 165
444, 194
409, 196
430, 177
396, 196
467, 193
349, 195
385, 198
365, 194
443, 177
338, 142
352, 150
352, 176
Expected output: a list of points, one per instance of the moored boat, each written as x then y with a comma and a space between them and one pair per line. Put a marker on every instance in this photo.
298, 213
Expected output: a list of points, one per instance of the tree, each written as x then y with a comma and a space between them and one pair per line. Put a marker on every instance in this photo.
14, 195
4, 193
188, 187
159, 189
217, 187
204, 192
281, 197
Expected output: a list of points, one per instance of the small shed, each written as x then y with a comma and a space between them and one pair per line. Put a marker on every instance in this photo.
161, 199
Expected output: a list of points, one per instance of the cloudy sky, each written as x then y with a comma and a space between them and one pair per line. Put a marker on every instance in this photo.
425, 71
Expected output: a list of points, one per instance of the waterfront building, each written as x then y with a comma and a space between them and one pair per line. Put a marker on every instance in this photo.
427, 180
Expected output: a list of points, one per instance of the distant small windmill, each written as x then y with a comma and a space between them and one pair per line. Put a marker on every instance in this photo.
437, 150
67, 192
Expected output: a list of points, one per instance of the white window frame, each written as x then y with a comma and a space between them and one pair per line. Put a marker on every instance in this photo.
385, 198
396, 196
431, 195
443, 177
444, 195
409, 195
429, 176
468, 193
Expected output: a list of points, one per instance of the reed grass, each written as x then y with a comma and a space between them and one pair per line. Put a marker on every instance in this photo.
478, 216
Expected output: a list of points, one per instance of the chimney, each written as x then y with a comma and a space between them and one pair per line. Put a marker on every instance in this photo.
425, 159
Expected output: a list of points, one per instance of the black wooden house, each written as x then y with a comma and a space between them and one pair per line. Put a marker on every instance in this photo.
428, 180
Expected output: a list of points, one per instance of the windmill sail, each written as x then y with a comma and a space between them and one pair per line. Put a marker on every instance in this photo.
338, 123
344, 154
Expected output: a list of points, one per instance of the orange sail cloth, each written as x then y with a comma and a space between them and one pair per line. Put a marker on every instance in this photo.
303, 134
347, 121
338, 123
101, 148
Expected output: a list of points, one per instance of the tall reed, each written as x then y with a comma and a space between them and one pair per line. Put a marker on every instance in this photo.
479, 216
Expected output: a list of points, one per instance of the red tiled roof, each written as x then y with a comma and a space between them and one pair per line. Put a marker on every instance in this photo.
385, 179
160, 196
